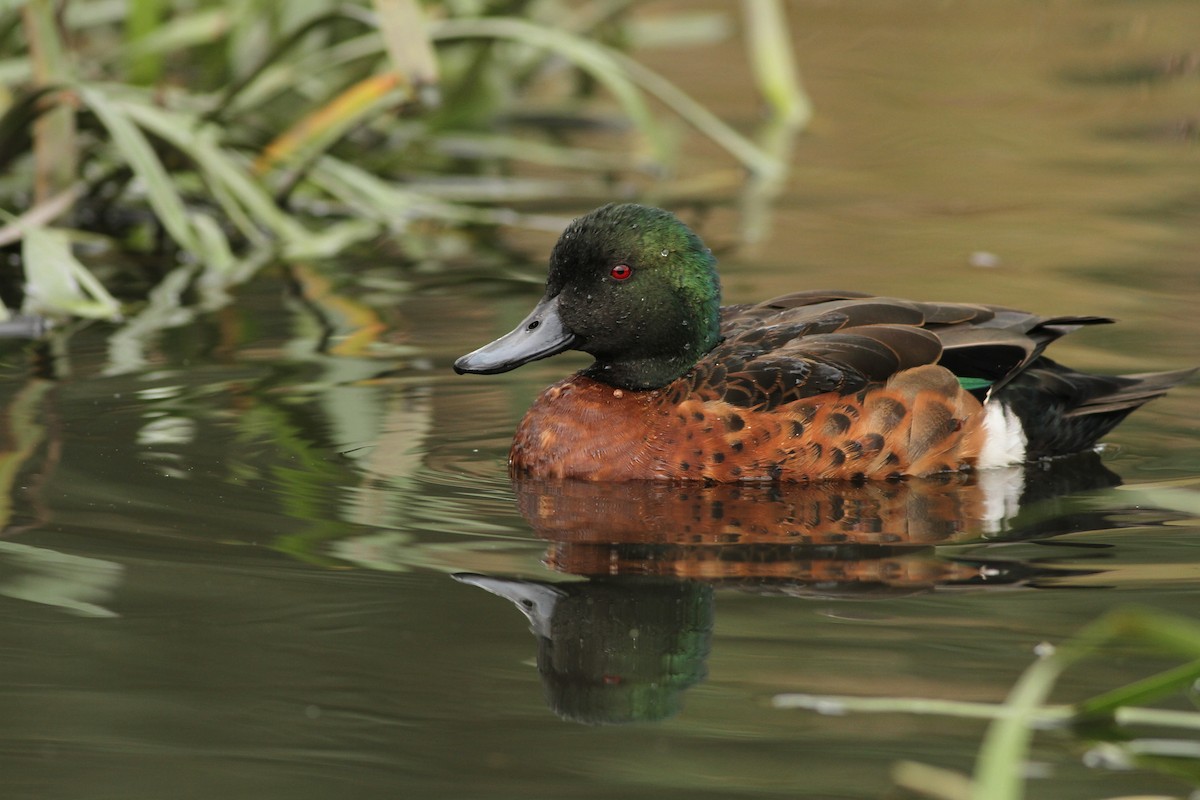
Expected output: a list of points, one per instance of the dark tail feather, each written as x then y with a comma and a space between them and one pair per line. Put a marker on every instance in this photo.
1141, 388
1064, 411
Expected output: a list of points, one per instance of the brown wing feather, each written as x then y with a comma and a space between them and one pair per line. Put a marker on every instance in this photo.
811, 297
807, 343
811, 343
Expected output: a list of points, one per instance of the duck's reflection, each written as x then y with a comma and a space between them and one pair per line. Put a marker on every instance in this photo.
614, 650
622, 645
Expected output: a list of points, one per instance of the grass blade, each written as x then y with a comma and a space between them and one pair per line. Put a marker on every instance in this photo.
321, 128
231, 98
598, 61
136, 149
143, 67
55, 149
622, 75
199, 142
935, 782
998, 772
768, 41
40, 215
374, 197
403, 28
752, 157
174, 35
17, 123
56, 282
219, 257
999, 768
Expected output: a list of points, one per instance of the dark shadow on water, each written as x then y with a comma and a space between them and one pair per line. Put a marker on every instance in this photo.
624, 644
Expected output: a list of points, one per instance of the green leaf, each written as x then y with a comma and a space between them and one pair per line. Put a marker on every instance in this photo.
403, 29
595, 59
140, 156
199, 142
143, 67
167, 36
219, 256
56, 281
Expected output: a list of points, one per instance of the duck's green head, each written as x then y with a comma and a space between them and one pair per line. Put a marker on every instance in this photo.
629, 284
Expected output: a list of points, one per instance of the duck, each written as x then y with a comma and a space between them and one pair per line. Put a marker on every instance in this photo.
810, 386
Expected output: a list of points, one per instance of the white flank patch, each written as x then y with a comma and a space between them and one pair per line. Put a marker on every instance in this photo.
1005, 440
1002, 490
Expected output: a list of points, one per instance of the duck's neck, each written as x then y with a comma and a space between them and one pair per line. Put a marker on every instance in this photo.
670, 358
640, 374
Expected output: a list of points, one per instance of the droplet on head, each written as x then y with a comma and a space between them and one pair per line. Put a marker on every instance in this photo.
618, 393
665, 252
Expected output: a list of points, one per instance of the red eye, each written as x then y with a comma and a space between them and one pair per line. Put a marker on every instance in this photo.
621, 272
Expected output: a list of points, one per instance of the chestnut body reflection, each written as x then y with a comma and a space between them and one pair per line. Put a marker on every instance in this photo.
623, 644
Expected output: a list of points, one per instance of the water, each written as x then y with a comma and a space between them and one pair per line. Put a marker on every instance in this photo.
229, 546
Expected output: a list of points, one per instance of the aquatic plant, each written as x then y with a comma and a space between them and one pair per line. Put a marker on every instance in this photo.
1108, 720
218, 136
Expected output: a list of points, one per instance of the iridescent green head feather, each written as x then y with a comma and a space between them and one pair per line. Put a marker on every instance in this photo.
629, 284
650, 327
